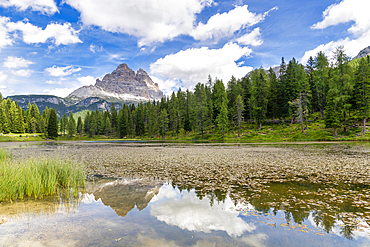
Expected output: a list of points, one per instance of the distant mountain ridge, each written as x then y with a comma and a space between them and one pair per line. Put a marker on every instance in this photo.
122, 86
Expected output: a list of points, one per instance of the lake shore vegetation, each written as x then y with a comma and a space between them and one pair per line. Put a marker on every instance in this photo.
38, 177
325, 100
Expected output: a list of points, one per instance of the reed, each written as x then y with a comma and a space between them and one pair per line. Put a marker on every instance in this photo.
38, 177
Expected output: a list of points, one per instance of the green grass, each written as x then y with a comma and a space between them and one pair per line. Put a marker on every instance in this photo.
37, 177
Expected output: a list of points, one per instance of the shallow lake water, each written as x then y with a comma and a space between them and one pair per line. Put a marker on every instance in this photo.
147, 212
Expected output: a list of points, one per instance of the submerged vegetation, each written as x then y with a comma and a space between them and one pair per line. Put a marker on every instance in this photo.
37, 177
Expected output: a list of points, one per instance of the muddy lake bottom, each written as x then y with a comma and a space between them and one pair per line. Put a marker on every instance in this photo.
153, 194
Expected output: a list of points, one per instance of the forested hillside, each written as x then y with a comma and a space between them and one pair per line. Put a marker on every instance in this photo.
337, 92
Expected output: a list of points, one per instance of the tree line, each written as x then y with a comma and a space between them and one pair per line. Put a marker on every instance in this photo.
339, 90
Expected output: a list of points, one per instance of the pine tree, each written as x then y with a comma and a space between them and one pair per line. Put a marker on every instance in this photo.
362, 91
140, 125
71, 128
259, 95
114, 118
79, 125
163, 123
342, 76
239, 109
201, 100
321, 80
273, 90
52, 126
222, 119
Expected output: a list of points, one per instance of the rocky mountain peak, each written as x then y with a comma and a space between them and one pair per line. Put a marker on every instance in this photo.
363, 53
123, 83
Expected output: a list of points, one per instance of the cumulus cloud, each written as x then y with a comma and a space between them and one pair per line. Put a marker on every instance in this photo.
344, 12
61, 71
5, 38
59, 34
161, 20
61, 92
22, 72
16, 62
253, 38
86, 80
188, 67
189, 213
150, 21
44, 6
225, 24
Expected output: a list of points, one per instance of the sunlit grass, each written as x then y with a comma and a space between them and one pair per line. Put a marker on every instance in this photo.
37, 177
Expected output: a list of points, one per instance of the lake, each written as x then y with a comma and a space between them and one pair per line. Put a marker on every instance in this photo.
158, 194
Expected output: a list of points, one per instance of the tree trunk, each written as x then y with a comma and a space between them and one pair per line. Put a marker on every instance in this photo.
344, 122
335, 132
306, 123
322, 112
239, 130
364, 125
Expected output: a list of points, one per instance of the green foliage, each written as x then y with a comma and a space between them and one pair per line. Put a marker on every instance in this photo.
52, 124
37, 177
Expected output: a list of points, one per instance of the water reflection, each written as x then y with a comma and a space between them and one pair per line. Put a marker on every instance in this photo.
139, 213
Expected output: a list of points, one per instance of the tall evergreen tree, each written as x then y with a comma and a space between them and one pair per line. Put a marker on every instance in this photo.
71, 128
239, 110
321, 80
163, 123
201, 100
259, 95
79, 125
362, 91
52, 126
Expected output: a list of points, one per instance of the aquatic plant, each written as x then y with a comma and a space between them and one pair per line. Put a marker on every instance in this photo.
38, 177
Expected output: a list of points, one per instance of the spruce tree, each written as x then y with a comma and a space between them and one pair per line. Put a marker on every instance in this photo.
52, 126
321, 80
71, 128
163, 123
362, 91
239, 109
222, 118
79, 125
259, 95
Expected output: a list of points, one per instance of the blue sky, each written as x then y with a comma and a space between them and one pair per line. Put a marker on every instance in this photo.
54, 47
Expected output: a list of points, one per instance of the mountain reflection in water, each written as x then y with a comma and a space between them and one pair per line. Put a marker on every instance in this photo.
141, 213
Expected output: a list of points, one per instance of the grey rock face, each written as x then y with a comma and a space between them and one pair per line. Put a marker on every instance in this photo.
123, 84
363, 53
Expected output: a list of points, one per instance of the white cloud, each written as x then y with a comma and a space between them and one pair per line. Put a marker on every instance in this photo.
253, 38
22, 72
16, 62
150, 21
187, 68
93, 48
5, 39
60, 34
58, 82
61, 92
86, 80
343, 12
225, 24
61, 71
44, 6
189, 213
3, 77
346, 11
